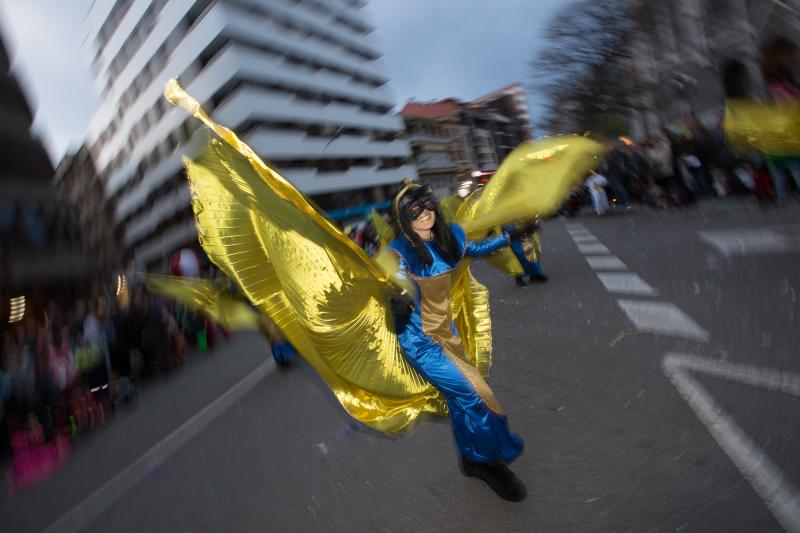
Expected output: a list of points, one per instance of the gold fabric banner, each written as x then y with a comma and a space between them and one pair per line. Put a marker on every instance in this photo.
772, 128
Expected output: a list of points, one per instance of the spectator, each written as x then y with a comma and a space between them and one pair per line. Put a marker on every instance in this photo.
615, 169
596, 184
62, 369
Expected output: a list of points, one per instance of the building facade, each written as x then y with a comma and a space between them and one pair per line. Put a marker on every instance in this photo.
689, 55
452, 139
430, 143
78, 182
301, 81
506, 113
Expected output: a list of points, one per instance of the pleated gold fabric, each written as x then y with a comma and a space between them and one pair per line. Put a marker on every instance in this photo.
448, 207
505, 261
320, 289
772, 128
208, 297
469, 305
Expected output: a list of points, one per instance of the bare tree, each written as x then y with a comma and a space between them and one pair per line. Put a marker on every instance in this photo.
583, 71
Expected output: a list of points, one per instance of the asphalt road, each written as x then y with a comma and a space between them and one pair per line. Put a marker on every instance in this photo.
657, 391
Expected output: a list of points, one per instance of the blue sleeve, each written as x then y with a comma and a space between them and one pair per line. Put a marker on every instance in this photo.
486, 246
402, 268
401, 277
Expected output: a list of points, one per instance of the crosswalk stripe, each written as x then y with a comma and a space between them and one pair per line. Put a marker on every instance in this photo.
625, 283
593, 248
662, 318
605, 262
749, 241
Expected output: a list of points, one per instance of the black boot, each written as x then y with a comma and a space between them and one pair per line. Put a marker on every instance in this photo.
497, 475
537, 279
520, 281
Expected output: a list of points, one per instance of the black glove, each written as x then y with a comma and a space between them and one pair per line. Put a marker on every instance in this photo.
530, 227
401, 303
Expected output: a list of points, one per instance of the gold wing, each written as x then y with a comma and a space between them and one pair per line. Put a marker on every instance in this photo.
449, 206
320, 289
207, 296
532, 182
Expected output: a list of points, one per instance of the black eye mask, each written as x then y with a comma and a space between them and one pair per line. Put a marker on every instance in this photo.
415, 201
415, 208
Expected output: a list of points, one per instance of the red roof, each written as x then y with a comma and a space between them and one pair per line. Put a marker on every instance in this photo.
502, 91
440, 109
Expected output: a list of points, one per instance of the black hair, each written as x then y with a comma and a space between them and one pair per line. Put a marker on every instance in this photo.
443, 237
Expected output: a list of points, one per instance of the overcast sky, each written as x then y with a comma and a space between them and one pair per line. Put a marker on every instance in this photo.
432, 49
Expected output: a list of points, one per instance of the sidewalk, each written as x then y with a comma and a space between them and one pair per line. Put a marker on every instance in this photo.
164, 404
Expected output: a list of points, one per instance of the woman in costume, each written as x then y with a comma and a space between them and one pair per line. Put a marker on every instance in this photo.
332, 301
429, 250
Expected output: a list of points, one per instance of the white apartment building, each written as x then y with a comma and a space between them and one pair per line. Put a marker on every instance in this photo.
287, 75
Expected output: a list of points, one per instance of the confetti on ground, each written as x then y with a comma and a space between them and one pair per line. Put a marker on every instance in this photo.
625, 333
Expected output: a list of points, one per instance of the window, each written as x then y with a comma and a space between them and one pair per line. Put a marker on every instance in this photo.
112, 22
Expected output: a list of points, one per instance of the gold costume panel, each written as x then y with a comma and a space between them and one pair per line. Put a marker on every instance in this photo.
436, 320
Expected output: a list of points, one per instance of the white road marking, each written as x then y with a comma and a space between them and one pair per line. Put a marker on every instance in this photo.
80, 516
625, 283
581, 239
747, 241
767, 378
593, 249
663, 319
605, 262
778, 493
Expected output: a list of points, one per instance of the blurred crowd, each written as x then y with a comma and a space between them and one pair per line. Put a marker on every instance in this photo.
677, 167
68, 369
363, 233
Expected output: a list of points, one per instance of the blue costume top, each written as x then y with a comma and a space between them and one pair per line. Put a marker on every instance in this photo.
431, 344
